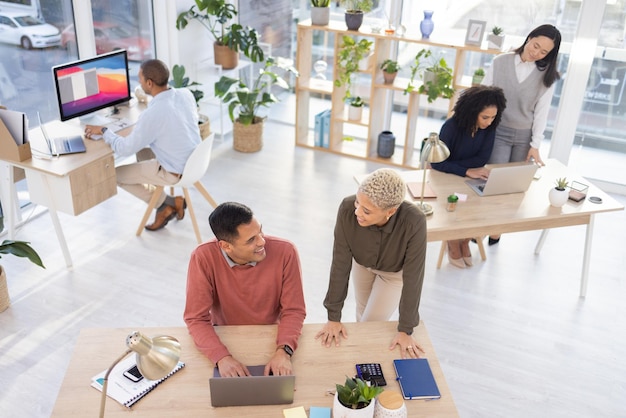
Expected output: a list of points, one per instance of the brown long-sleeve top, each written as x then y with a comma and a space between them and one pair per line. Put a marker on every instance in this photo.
400, 244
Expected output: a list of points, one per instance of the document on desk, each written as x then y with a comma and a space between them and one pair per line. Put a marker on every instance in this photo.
17, 125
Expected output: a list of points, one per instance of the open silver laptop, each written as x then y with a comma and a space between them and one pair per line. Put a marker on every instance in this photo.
251, 390
504, 180
62, 145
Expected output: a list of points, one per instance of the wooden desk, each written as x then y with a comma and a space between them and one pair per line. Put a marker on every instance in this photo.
186, 393
492, 215
69, 183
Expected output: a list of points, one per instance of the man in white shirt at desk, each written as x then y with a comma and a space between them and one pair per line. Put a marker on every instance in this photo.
169, 126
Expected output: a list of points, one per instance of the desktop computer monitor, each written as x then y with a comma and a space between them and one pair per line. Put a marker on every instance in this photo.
86, 86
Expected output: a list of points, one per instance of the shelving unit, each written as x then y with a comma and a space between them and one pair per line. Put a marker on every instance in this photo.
360, 138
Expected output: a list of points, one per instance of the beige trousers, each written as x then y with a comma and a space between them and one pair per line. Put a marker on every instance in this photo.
140, 179
377, 293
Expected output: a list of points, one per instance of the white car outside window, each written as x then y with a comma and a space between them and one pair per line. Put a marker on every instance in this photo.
27, 31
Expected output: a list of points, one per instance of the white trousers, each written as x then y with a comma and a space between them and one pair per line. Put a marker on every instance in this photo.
377, 293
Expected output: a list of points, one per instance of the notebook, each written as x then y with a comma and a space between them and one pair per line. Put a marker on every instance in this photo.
416, 379
415, 189
124, 390
504, 180
62, 145
251, 390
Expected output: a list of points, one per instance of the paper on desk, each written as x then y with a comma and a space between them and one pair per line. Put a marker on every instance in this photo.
297, 412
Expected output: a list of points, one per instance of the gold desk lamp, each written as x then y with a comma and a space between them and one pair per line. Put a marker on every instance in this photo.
156, 357
433, 151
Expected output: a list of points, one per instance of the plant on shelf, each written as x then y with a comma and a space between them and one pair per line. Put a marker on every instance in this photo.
495, 39
217, 17
390, 70
320, 12
355, 111
19, 249
497, 30
478, 76
435, 74
355, 394
355, 9
348, 57
245, 99
320, 3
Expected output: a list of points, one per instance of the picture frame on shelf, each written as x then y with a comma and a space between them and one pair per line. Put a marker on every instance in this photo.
475, 32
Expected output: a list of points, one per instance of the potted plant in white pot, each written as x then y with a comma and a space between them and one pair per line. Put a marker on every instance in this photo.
477, 78
320, 12
390, 70
355, 10
558, 195
355, 110
19, 249
495, 39
230, 38
435, 74
180, 80
244, 100
355, 399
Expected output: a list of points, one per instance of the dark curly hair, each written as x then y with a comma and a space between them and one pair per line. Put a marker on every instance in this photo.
474, 100
549, 63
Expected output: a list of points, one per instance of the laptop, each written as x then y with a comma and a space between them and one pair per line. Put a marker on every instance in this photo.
504, 180
62, 145
251, 390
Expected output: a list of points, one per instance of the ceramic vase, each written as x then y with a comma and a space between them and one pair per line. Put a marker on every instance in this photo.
340, 411
386, 144
427, 25
558, 197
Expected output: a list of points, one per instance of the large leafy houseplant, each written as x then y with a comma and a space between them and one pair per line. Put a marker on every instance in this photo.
356, 394
19, 249
350, 53
217, 17
245, 99
180, 80
435, 73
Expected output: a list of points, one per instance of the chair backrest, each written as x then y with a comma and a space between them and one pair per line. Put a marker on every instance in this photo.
198, 163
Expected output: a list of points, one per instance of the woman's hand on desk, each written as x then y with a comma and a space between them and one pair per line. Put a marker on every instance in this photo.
477, 173
332, 330
409, 348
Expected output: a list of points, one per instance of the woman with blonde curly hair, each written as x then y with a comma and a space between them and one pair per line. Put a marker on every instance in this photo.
381, 239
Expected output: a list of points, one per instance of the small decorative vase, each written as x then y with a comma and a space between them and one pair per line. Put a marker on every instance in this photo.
390, 404
386, 144
427, 25
355, 112
558, 197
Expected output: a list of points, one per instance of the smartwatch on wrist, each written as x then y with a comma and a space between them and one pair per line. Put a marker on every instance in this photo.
104, 129
287, 349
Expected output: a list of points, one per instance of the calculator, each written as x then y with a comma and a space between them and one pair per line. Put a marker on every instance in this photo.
371, 372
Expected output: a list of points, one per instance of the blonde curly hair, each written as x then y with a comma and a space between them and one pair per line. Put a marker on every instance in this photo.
384, 187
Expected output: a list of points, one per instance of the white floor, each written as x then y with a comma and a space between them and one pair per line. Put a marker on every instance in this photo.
512, 335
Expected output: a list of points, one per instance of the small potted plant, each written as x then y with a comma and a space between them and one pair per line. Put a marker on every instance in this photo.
355, 9
558, 195
478, 76
180, 80
19, 249
355, 397
435, 74
495, 39
320, 12
355, 111
349, 55
452, 201
390, 70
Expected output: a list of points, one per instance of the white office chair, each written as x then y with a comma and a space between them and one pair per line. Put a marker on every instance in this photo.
195, 168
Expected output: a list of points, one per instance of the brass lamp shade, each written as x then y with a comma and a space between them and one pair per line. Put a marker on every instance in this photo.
434, 151
156, 357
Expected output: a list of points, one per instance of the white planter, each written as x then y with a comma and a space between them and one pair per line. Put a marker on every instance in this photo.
355, 112
340, 411
320, 16
364, 64
495, 41
558, 197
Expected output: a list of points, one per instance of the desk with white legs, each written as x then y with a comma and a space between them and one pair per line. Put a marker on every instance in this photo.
69, 183
492, 215
186, 394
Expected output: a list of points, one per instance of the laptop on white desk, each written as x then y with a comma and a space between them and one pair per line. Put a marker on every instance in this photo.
504, 180
62, 145
251, 390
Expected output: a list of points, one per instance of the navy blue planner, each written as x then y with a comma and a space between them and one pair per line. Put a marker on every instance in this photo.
416, 379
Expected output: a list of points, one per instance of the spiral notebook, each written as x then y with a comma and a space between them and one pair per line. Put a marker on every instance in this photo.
123, 389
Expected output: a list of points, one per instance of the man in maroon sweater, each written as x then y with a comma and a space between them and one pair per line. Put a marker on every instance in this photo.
243, 277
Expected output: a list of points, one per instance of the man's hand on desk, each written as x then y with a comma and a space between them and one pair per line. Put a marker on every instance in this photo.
94, 132
229, 367
279, 365
408, 346
332, 330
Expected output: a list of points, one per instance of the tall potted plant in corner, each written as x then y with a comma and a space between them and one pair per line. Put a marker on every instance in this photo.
435, 74
355, 399
244, 100
180, 80
19, 249
320, 12
355, 9
230, 38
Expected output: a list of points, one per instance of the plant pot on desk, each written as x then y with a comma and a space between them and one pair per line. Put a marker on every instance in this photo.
341, 411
